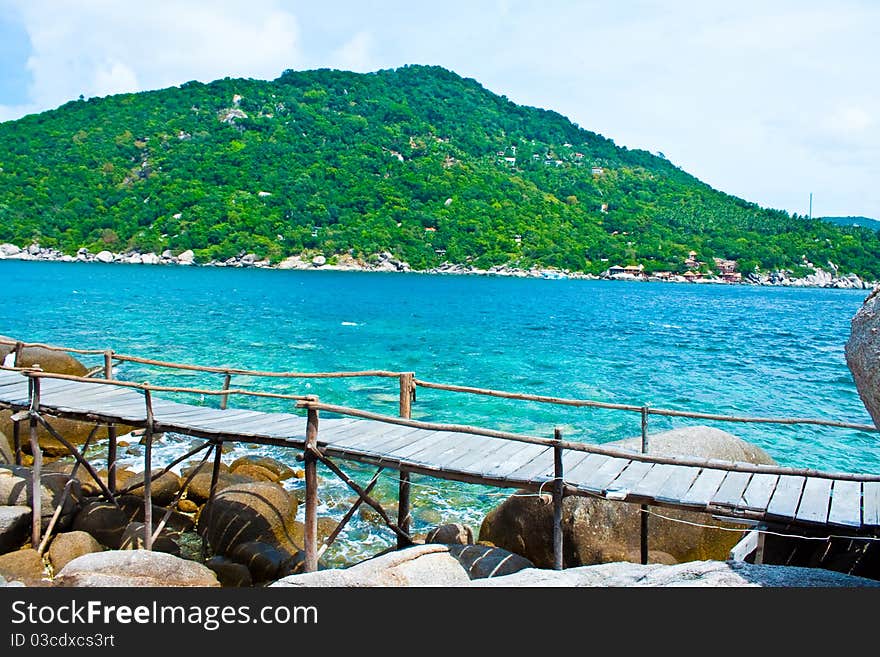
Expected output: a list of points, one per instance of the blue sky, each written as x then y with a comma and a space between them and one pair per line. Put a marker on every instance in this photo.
769, 100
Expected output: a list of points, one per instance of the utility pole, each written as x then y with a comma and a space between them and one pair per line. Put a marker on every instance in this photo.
811, 205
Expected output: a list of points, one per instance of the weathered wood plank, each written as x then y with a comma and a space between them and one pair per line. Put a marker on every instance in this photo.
815, 500
446, 447
383, 443
526, 455
846, 504
786, 497
464, 459
654, 481
704, 487
602, 476
631, 476
492, 458
538, 469
372, 435
757, 494
587, 467
730, 492
871, 503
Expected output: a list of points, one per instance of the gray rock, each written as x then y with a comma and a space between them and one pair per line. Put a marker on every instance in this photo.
15, 527
451, 534
70, 545
863, 353
420, 565
7, 457
15, 491
134, 568
691, 574
104, 256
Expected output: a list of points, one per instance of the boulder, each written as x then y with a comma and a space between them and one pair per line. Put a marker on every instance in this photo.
420, 565
107, 523
134, 568
133, 539
15, 527
451, 534
186, 258
230, 573
691, 574
260, 512
863, 353
104, 256
255, 472
7, 456
90, 488
74, 431
59, 362
162, 489
279, 469
15, 489
599, 531
24, 566
200, 487
68, 546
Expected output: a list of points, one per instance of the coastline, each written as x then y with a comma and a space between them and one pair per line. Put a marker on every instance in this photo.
385, 262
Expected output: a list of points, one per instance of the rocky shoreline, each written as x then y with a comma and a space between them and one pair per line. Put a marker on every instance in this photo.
386, 262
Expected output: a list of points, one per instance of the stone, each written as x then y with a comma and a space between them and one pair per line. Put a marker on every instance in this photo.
255, 472
90, 488
863, 353
104, 256
24, 566
15, 527
691, 574
258, 511
266, 562
187, 506
162, 490
598, 531
229, 572
451, 534
7, 456
59, 362
279, 469
68, 546
319, 261
420, 565
186, 258
139, 568
200, 487
133, 539
15, 484
108, 524
206, 469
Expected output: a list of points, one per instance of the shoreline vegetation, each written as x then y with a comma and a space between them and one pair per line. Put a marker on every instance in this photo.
386, 262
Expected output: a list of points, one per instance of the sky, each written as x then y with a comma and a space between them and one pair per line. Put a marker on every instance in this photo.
768, 100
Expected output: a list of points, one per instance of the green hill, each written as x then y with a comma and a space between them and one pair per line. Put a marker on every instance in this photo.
416, 161
867, 222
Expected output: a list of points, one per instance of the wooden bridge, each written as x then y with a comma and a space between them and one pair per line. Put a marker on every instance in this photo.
786, 497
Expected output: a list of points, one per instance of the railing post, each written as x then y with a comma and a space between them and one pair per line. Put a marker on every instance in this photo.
16, 440
558, 492
111, 429
18, 349
404, 518
224, 399
215, 475
643, 511
36, 470
310, 459
148, 472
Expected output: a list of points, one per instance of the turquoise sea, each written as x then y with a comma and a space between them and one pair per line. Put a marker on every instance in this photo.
736, 350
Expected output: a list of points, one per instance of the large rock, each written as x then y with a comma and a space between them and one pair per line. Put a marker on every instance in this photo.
23, 566
59, 362
107, 523
420, 565
692, 574
200, 487
162, 489
15, 527
68, 546
7, 457
138, 568
451, 534
254, 523
863, 353
600, 531
15, 490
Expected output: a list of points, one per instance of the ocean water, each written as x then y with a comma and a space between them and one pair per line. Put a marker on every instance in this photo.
735, 350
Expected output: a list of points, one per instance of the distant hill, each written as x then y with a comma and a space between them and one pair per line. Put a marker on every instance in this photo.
865, 222
417, 161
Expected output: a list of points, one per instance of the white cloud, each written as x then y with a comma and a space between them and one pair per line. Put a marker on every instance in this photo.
100, 47
356, 54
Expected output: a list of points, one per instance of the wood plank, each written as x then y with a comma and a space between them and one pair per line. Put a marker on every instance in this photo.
526, 455
815, 500
419, 443
491, 459
631, 476
846, 504
786, 496
730, 492
604, 475
757, 494
704, 487
871, 503
654, 481
465, 460
382, 438
584, 469
446, 449
538, 469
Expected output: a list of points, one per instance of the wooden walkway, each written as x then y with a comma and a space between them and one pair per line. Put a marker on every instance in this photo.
787, 499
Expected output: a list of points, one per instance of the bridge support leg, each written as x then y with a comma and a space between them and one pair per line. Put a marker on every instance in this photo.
310, 538
403, 508
558, 491
111, 430
16, 440
36, 474
643, 510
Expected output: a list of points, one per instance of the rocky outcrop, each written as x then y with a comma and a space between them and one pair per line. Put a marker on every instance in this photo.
599, 531
15, 485
420, 565
24, 566
692, 574
15, 527
863, 353
107, 523
66, 547
134, 568
451, 534
162, 488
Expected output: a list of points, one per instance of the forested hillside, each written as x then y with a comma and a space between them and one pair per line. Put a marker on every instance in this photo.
416, 161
